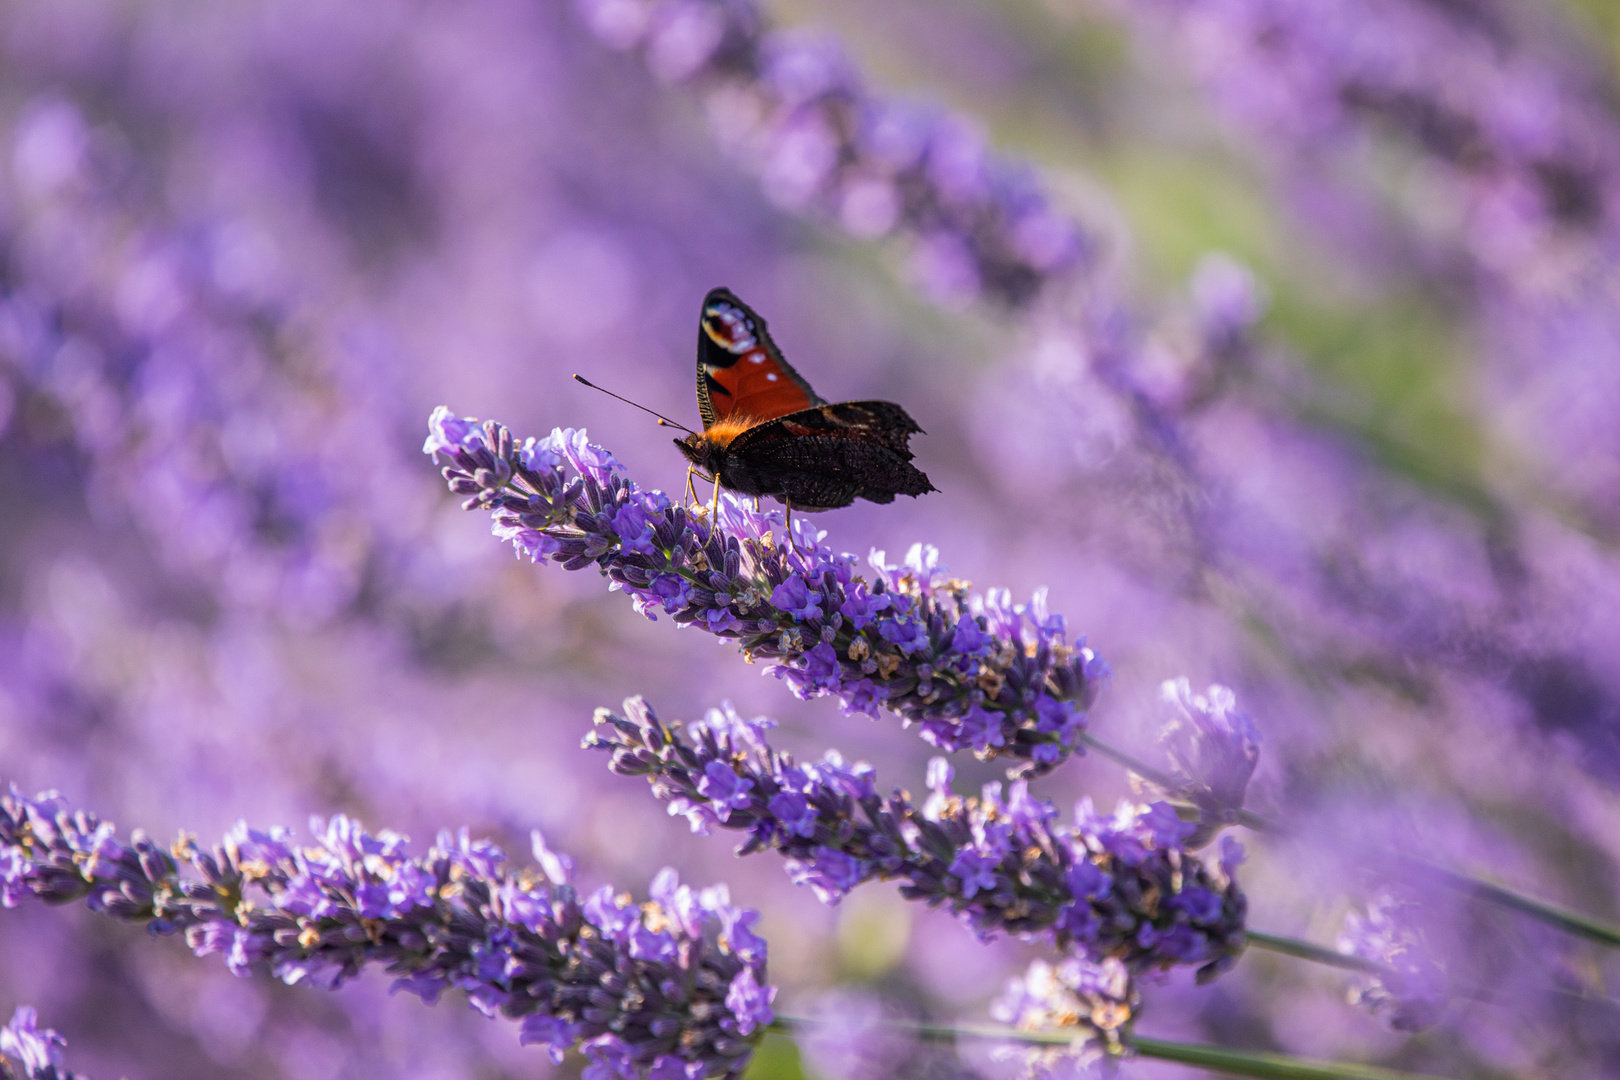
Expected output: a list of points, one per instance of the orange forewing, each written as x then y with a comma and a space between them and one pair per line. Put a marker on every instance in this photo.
742, 377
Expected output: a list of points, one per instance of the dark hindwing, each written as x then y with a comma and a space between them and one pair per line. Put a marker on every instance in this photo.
881, 422
853, 448
809, 492
740, 371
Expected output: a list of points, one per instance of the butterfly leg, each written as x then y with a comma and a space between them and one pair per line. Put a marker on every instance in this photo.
788, 524
714, 505
691, 492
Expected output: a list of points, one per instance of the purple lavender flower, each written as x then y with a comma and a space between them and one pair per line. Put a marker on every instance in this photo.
794, 110
978, 672
1413, 992
724, 789
255, 516
676, 983
1121, 886
1213, 749
750, 1002
237, 468
1227, 304
1098, 1001
27, 1053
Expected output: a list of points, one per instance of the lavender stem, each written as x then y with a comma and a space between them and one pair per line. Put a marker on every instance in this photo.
1265, 1066
1561, 918
1002, 861
1320, 954
1218, 1059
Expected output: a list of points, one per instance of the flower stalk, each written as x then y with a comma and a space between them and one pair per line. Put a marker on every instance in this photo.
971, 671
1120, 887
1264, 1066
1574, 923
674, 986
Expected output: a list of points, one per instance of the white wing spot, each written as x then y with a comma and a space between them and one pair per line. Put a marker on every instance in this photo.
757, 358
770, 376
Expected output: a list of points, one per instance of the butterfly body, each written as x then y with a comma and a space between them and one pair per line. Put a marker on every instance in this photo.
766, 433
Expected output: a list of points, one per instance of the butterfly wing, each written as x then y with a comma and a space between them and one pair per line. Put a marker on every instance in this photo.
881, 422
829, 455
741, 374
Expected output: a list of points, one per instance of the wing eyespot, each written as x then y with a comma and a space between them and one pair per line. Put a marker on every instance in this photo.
734, 332
765, 386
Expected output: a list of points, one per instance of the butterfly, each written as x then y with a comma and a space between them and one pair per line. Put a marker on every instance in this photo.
765, 432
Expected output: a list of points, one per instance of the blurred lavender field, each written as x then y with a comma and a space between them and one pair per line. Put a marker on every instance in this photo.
1278, 339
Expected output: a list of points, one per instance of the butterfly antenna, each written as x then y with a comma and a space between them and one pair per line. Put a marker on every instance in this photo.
662, 419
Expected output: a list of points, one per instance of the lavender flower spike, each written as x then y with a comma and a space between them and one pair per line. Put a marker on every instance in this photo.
673, 987
1213, 749
792, 108
1121, 886
1099, 1002
27, 1053
974, 671
1413, 992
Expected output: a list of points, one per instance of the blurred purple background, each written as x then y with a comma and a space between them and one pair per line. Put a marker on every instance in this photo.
1314, 400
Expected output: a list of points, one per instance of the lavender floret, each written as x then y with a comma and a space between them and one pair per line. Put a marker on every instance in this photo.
672, 987
1213, 748
1104, 886
974, 671
1099, 1002
1412, 992
28, 1053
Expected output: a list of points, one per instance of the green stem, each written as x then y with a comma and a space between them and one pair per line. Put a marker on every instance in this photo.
1131, 763
1215, 1058
1571, 922
1265, 1066
1305, 950
1561, 918
1321, 954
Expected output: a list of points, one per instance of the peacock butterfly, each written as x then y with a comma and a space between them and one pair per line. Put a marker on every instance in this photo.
765, 432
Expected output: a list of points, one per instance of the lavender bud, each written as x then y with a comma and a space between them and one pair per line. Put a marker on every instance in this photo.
28, 1053
1213, 749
